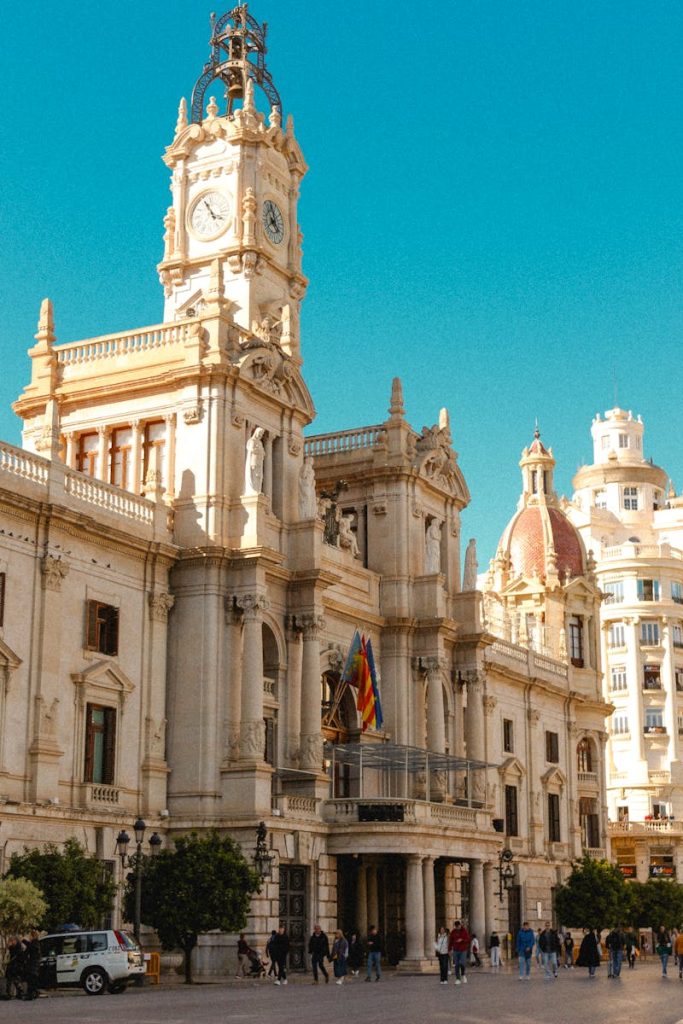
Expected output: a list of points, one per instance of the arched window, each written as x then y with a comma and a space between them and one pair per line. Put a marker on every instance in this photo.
584, 756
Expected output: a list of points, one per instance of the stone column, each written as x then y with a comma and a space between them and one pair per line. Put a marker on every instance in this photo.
311, 749
136, 456
293, 696
70, 457
669, 692
233, 620
268, 469
169, 482
477, 900
103, 454
436, 725
362, 900
429, 906
252, 729
489, 910
373, 901
414, 908
476, 748
635, 687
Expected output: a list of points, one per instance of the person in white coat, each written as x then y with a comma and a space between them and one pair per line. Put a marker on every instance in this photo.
441, 950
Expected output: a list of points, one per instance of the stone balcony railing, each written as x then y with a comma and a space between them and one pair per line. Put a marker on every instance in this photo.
82, 355
596, 852
657, 826
50, 480
98, 793
415, 812
343, 441
641, 551
591, 777
503, 651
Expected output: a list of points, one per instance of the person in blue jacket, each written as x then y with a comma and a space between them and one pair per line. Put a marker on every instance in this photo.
526, 940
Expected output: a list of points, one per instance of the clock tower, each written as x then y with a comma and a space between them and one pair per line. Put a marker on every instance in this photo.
235, 184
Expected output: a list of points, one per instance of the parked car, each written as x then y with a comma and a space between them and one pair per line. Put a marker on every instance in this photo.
97, 960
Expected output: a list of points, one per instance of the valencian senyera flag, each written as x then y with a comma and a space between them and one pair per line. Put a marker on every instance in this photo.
359, 671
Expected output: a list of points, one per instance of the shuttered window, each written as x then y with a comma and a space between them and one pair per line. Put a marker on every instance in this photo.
100, 744
102, 628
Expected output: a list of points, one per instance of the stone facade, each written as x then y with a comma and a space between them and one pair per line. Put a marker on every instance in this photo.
183, 572
628, 513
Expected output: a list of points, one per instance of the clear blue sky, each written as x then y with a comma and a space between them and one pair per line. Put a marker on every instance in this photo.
493, 210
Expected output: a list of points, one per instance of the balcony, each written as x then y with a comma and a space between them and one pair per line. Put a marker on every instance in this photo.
595, 852
588, 777
655, 826
652, 684
100, 795
654, 730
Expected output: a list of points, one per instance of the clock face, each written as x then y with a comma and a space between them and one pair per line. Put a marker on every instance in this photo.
210, 215
273, 222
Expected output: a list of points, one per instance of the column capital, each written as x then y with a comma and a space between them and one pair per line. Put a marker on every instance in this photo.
103, 430
252, 606
160, 605
312, 625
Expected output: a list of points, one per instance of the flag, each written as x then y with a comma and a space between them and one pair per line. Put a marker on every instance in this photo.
379, 718
352, 670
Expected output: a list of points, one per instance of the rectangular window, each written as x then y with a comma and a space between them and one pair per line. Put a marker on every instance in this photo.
604, 442
534, 481
618, 678
102, 628
508, 736
3, 580
623, 440
511, 820
652, 679
154, 451
614, 592
269, 747
654, 719
600, 498
552, 747
121, 465
678, 676
677, 593
86, 456
100, 738
631, 498
677, 635
576, 641
648, 590
589, 823
649, 633
617, 635
554, 818
620, 724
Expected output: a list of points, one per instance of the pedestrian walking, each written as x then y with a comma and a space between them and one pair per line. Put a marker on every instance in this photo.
548, 943
355, 958
538, 950
319, 949
631, 940
615, 943
14, 969
269, 955
375, 950
32, 965
568, 951
663, 947
475, 960
678, 949
279, 949
340, 952
458, 947
441, 950
526, 940
242, 957
494, 949
589, 952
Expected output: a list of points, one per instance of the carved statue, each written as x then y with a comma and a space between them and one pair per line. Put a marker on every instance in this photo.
253, 739
433, 548
347, 538
469, 580
308, 502
256, 456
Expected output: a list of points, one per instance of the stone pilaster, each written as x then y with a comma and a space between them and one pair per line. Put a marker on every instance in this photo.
311, 749
429, 906
293, 697
252, 729
414, 908
477, 901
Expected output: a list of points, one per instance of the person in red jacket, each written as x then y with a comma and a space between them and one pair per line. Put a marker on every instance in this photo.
458, 946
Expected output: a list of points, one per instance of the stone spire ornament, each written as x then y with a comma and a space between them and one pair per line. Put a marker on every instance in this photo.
212, 108
444, 419
46, 323
396, 409
182, 116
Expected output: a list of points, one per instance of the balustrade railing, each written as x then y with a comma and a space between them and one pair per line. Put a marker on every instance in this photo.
126, 343
343, 440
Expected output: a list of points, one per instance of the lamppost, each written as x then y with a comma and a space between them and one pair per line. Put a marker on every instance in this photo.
506, 872
122, 841
263, 859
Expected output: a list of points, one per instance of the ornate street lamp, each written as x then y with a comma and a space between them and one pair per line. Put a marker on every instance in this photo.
506, 872
263, 859
122, 842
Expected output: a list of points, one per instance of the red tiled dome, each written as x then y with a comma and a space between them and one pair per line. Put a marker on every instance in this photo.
525, 541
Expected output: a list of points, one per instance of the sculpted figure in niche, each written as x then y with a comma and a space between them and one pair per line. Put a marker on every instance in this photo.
308, 502
433, 548
469, 580
256, 456
347, 538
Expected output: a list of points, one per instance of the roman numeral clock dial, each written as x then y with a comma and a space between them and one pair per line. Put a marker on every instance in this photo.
273, 222
210, 215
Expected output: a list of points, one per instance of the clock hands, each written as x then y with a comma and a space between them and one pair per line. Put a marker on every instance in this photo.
210, 211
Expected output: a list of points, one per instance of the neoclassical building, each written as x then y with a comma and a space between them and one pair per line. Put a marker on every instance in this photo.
182, 570
628, 513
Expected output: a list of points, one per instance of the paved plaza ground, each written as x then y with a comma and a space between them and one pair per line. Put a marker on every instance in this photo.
639, 997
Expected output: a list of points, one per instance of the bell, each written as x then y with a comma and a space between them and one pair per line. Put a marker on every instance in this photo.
235, 90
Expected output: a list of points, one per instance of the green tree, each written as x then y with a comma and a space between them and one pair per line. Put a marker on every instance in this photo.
21, 907
594, 896
203, 884
75, 884
658, 901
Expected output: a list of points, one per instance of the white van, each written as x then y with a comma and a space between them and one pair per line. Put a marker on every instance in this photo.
97, 960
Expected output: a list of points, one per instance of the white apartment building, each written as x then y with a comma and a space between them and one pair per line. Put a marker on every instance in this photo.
629, 515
